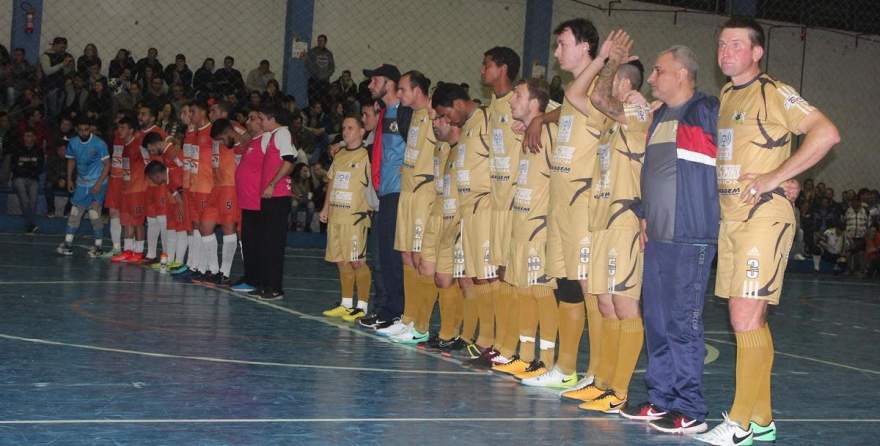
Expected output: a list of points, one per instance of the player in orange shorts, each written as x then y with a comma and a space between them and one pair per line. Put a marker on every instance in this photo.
156, 198
133, 193
166, 151
203, 212
113, 201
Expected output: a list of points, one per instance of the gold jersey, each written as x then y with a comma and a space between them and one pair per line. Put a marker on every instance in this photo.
755, 125
531, 197
472, 163
350, 176
617, 172
450, 203
505, 151
440, 166
417, 171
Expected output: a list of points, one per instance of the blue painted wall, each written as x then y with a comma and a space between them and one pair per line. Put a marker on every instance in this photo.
298, 25
536, 40
20, 39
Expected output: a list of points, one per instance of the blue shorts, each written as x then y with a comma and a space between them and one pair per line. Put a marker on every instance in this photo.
83, 196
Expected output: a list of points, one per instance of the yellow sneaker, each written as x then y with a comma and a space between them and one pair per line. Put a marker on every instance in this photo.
353, 314
337, 311
607, 402
536, 368
588, 393
513, 367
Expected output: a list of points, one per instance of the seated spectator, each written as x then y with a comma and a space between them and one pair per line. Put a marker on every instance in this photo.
255, 100
127, 98
156, 94
75, 96
151, 61
88, 59
179, 72
29, 100
56, 178
259, 77
832, 248
228, 78
94, 76
203, 80
872, 251
146, 78
346, 86
178, 97
167, 120
303, 139
272, 97
99, 107
856, 219
36, 123
27, 165
302, 206
121, 62
320, 180
22, 75
5, 147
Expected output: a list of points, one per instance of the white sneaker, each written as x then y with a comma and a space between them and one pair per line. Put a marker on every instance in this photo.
584, 382
404, 335
727, 433
395, 329
554, 378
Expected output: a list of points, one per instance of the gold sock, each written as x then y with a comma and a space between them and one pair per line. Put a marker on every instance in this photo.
469, 313
346, 280
632, 336
409, 285
608, 362
486, 314
594, 330
571, 328
548, 322
510, 339
763, 411
364, 280
447, 306
427, 297
527, 323
500, 313
753, 354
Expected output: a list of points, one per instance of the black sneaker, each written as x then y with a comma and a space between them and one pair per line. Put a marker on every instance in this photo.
150, 261
534, 366
642, 412
64, 249
676, 423
272, 295
369, 321
31, 229
380, 324
222, 281
432, 343
484, 361
256, 293
447, 348
199, 277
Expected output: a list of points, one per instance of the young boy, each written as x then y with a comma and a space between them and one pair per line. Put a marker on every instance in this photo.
165, 151
347, 215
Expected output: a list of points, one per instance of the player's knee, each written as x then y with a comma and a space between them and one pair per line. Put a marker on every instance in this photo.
94, 214
569, 291
606, 307
76, 214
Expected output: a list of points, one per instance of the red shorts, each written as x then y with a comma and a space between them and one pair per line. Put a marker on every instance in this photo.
134, 209
157, 201
113, 200
176, 215
201, 207
227, 205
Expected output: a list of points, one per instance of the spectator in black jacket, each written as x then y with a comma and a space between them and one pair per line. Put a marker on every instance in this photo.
179, 72
203, 81
99, 106
27, 164
228, 79
151, 61
89, 57
122, 62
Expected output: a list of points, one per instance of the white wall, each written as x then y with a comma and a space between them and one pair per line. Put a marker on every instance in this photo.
247, 30
443, 39
6, 23
839, 79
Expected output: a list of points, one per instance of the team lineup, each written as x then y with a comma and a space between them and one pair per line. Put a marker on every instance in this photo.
526, 220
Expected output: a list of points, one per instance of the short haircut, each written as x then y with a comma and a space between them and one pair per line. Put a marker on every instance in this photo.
148, 106
583, 31
634, 71
279, 114
202, 105
367, 103
219, 127
127, 121
357, 119
503, 55
323, 35
29, 130
756, 31
83, 120
223, 105
686, 57
264, 62
418, 79
179, 56
229, 58
151, 138
539, 90
154, 167
446, 93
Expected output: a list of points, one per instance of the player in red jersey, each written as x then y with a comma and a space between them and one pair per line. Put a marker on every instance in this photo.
133, 192
156, 198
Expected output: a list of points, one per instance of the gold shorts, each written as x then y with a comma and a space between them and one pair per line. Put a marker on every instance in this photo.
752, 256
431, 240
526, 264
476, 233
413, 212
448, 245
568, 243
346, 243
616, 263
501, 233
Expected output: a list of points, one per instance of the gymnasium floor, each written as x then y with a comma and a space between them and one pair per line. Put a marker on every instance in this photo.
93, 354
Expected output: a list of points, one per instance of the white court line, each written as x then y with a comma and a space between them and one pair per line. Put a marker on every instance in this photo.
807, 358
380, 420
235, 361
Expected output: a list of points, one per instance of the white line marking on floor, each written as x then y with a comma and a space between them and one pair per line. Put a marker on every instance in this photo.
807, 358
825, 333
235, 361
378, 420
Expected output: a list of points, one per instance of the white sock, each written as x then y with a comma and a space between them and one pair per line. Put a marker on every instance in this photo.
128, 244
230, 244
182, 244
152, 237
193, 261
68, 238
139, 246
209, 245
169, 244
816, 260
115, 232
163, 232
346, 302
99, 242
199, 250
362, 305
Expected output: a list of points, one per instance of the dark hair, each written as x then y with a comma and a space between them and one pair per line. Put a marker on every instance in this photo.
153, 168
150, 107
583, 31
219, 127
179, 56
418, 79
539, 90
203, 105
29, 130
357, 118
151, 138
756, 31
446, 93
82, 120
127, 120
634, 71
223, 105
503, 55
322, 35
209, 59
229, 58
264, 61
279, 114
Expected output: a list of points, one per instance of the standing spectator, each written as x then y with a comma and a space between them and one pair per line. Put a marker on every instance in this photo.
151, 61
228, 79
872, 251
27, 165
301, 201
203, 81
88, 59
56, 177
320, 65
56, 64
247, 191
856, 218
5, 147
179, 72
120, 63
22, 75
259, 77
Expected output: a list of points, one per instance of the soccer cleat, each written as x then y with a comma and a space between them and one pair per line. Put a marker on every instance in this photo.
484, 361
447, 348
179, 270
64, 249
150, 261
109, 254
135, 257
588, 393
410, 337
763, 433
432, 343
676, 423
511, 367
199, 277
242, 288
385, 324
369, 321
272, 295
553, 379
394, 329
473, 351
643, 412
221, 280
728, 433
337, 311
96, 252
607, 402
121, 257
536, 368
353, 315
584, 382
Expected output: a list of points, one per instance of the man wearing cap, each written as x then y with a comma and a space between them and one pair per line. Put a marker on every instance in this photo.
387, 159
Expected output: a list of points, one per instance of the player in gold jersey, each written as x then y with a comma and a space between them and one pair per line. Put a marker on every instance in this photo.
757, 118
416, 199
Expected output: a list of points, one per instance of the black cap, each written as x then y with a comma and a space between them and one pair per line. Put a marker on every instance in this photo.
389, 71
